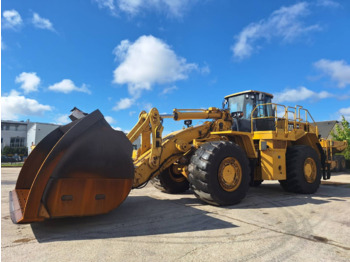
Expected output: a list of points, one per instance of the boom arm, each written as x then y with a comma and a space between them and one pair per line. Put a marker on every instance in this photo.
153, 158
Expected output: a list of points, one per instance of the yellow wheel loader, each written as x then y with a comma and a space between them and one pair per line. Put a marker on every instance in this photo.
86, 167
337, 163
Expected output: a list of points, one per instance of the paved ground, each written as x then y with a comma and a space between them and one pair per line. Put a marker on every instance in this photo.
269, 225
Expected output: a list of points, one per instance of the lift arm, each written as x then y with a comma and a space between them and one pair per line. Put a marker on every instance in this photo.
153, 158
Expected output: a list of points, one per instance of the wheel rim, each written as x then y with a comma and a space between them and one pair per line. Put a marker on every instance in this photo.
310, 170
175, 174
230, 174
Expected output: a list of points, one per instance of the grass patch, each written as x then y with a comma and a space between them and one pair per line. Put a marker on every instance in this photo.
15, 164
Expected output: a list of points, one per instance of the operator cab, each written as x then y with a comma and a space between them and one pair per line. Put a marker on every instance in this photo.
241, 106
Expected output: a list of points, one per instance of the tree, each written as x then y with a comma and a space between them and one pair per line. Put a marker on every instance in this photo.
15, 150
343, 133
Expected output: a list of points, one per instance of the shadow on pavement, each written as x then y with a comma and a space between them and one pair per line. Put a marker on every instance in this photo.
146, 216
138, 216
272, 195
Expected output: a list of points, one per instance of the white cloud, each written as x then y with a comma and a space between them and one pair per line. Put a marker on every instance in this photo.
29, 81
344, 112
205, 70
338, 70
170, 7
285, 23
110, 120
169, 90
130, 6
109, 4
42, 23
328, 3
146, 62
3, 46
174, 8
123, 103
299, 94
63, 119
14, 105
67, 86
11, 19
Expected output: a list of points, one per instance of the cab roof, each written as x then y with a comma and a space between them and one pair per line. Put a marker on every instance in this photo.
248, 92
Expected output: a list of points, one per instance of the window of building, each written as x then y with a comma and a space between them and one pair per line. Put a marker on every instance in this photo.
5, 127
17, 141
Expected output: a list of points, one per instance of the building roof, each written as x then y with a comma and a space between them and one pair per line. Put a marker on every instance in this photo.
26, 122
248, 91
325, 127
14, 122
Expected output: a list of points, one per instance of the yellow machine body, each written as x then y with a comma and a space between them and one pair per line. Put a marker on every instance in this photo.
331, 148
87, 168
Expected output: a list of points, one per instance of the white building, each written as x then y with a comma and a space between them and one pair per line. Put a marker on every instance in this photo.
23, 134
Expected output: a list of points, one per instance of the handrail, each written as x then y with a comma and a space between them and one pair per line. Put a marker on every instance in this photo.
307, 113
296, 116
252, 118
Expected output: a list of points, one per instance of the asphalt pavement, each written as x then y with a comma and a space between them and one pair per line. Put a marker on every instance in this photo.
268, 225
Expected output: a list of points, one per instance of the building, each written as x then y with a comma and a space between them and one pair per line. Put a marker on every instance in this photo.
13, 134
23, 134
326, 127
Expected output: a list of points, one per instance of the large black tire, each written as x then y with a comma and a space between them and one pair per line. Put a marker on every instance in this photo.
208, 182
341, 163
337, 167
298, 179
170, 182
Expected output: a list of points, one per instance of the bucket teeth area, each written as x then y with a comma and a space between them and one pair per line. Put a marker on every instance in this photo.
18, 200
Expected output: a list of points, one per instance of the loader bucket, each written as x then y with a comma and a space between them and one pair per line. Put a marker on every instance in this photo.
80, 169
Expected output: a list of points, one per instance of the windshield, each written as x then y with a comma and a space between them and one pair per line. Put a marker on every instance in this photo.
264, 110
242, 103
247, 102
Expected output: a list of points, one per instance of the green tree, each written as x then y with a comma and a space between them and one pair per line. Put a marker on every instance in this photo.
343, 133
15, 150
7, 150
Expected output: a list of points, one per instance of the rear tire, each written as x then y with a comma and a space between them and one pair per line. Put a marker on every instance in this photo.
170, 182
341, 163
337, 167
303, 170
219, 173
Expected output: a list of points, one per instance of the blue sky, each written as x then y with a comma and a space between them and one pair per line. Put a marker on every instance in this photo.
124, 56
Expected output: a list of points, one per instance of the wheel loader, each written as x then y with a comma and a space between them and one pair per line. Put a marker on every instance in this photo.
86, 168
337, 163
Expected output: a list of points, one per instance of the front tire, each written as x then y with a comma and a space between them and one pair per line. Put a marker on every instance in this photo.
171, 181
219, 173
303, 170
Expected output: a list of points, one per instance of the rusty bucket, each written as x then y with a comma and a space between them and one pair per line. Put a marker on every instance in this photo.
80, 169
